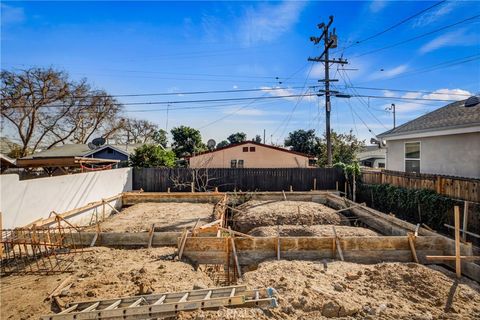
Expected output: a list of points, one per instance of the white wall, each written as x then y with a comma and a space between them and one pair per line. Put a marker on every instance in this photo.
22, 202
456, 155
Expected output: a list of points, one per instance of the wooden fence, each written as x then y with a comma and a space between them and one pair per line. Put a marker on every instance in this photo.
453, 187
270, 179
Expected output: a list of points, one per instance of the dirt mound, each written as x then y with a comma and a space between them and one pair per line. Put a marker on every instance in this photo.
311, 231
102, 273
311, 290
256, 213
167, 216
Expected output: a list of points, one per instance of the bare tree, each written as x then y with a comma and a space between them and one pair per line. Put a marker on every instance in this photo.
44, 108
137, 131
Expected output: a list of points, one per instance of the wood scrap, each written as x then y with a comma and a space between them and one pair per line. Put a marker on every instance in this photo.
411, 243
337, 242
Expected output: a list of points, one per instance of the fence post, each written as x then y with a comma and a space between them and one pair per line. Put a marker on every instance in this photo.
438, 184
465, 221
382, 177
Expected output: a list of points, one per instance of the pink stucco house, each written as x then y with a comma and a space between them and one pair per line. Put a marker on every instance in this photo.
251, 154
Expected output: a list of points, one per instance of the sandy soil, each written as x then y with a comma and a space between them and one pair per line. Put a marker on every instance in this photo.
101, 273
311, 231
167, 216
271, 213
309, 290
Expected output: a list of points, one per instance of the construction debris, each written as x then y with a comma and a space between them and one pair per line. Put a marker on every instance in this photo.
163, 305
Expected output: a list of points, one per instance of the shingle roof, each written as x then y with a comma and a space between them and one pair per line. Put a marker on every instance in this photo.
76, 150
453, 115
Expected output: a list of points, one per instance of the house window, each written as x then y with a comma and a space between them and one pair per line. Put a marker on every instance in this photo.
245, 149
252, 149
239, 163
412, 157
233, 163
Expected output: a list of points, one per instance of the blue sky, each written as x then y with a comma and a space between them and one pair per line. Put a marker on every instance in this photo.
155, 47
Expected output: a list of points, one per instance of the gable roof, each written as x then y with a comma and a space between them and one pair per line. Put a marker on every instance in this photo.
80, 150
452, 116
254, 143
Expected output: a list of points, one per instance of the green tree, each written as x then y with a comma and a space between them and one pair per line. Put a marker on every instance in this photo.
160, 137
258, 139
222, 144
186, 141
303, 141
152, 155
237, 137
345, 146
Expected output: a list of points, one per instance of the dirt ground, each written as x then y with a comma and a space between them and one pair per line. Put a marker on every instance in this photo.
167, 216
255, 213
342, 290
311, 231
101, 273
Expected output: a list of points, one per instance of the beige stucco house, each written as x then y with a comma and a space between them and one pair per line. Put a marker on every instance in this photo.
445, 141
250, 154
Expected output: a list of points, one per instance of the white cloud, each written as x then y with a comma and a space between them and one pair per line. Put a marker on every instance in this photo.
449, 94
433, 15
269, 21
455, 38
389, 73
246, 112
388, 93
287, 92
11, 15
377, 5
235, 86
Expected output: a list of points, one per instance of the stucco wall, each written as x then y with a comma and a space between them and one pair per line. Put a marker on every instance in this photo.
23, 202
456, 155
263, 157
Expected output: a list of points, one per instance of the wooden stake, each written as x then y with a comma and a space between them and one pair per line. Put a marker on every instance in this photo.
465, 221
458, 264
192, 187
339, 248
183, 241
336, 185
168, 190
235, 257
278, 242
216, 189
113, 208
150, 236
411, 242
284, 196
291, 189
314, 183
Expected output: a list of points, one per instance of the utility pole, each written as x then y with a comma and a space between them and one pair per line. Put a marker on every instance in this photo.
330, 42
392, 108
264, 141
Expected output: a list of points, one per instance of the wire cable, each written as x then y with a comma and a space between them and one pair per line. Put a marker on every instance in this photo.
419, 36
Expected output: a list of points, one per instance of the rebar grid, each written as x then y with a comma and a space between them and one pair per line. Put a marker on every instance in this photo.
38, 250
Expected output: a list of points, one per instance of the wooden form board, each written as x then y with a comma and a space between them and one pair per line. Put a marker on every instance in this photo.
126, 239
206, 250
131, 198
390, 225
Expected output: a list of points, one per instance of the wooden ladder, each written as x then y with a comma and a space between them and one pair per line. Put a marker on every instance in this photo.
166, 304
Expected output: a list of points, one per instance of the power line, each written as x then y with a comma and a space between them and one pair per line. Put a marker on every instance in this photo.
248, 104
361, 100
289, 117
418, 37
178, 101
396, 25
412, 91
438, 66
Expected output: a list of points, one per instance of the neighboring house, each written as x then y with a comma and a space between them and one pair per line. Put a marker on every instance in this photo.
78, 155
108, 151
372, 156
251, 154
445, 141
